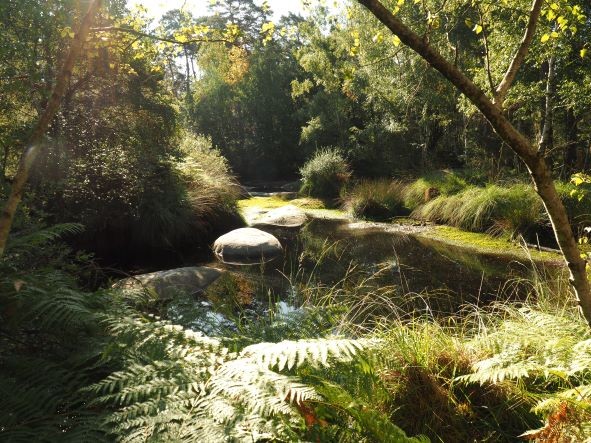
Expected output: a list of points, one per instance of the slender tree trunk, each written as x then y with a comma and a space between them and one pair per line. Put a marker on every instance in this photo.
34, 145
187, 73
573, 157
546, 139
537, 167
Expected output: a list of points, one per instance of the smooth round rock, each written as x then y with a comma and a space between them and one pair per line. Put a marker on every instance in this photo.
167, 284
247, 246
288, 216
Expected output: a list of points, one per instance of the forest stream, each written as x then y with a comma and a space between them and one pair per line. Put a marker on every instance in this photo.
417, 272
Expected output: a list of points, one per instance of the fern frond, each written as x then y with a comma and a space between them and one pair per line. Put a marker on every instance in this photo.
44, 236
290, 354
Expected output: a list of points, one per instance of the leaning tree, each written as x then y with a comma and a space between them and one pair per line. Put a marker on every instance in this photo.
491, 105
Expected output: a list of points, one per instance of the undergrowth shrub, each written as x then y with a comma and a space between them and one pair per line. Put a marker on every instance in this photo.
325, 174
420, 366
376, 199
51, 340
143, 205
545, 353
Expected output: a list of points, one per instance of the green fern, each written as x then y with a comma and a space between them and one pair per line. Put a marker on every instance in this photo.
111, 372
43, 236
189, 375
548, 354
372, 424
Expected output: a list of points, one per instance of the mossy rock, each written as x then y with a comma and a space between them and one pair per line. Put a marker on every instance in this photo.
166, 284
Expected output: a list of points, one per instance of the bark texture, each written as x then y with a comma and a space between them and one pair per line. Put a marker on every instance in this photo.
34, 144
537, 167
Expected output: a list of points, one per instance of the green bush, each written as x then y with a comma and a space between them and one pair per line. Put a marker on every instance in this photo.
376, 199
325, 174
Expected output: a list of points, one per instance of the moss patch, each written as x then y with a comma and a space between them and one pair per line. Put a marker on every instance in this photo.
486, 244
333, 214
253, 207
262, 202
308, 203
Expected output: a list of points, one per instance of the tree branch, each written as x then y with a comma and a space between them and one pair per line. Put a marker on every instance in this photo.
503, 88
162, 38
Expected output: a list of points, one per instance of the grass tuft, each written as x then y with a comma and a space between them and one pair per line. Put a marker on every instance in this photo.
377, 200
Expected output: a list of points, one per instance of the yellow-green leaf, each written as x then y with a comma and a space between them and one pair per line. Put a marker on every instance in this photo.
378, 38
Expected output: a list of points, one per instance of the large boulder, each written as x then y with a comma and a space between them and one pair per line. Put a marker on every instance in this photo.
247, 246
288, 216
190, 280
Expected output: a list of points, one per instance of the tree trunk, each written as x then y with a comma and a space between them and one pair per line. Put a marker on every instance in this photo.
546, 139
34, 145
537, 167
187, 74
573, 155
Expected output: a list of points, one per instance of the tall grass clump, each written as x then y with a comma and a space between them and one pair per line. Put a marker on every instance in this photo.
376, 199
514, 209
204, 168
212, 188
325, 174
437, 183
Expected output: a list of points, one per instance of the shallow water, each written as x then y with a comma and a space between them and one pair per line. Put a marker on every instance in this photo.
410, 271
415, 263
